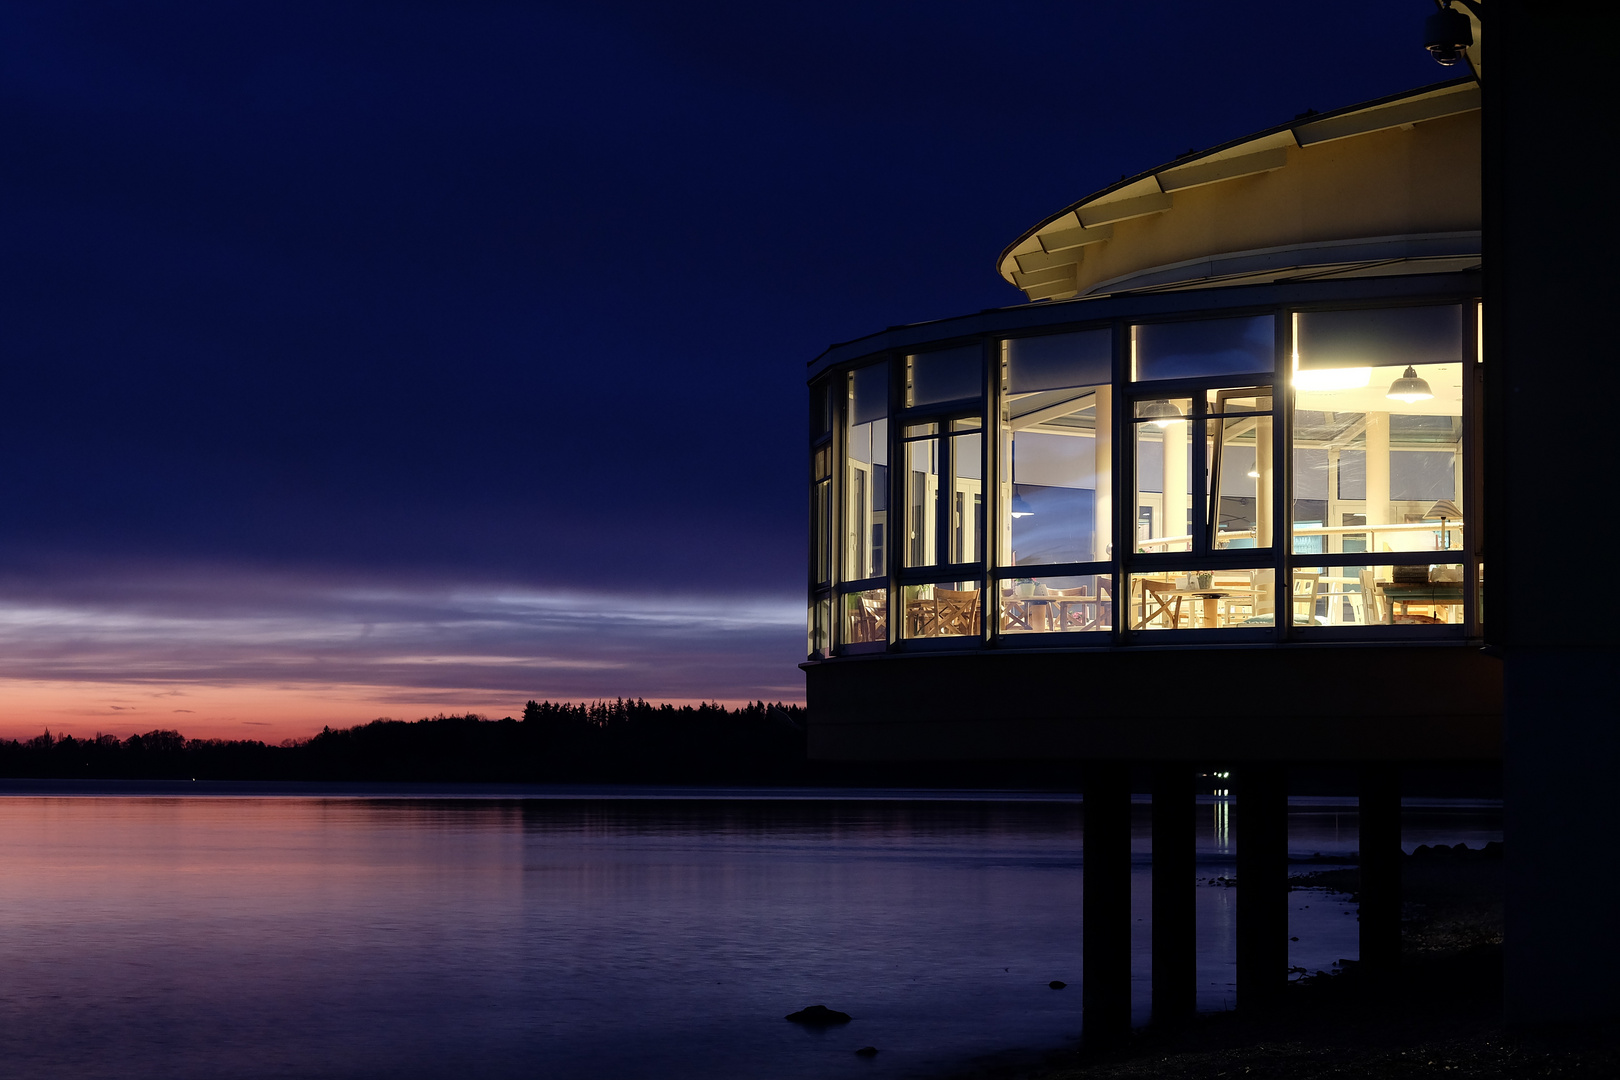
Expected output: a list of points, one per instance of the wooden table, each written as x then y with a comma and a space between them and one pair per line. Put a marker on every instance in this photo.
1209, 614
1431, 593
1061, 604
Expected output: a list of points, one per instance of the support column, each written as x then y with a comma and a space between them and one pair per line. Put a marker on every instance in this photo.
1175, 481
1380, 814
1262, 870
1106, 925
1103, 516
1175, 960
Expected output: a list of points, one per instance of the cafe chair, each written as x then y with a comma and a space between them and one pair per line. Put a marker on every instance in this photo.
956, 612
1159, 600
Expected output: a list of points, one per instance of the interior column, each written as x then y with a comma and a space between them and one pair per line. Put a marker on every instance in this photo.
1106, 920
1175, 480
1380, 825
1175, 874
1378, 469
1262, 871
1103, 517
1265, 511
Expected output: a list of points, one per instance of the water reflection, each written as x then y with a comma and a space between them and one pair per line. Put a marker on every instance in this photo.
620, 937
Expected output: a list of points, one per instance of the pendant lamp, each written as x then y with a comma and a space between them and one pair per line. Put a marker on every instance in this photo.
1163, 413
1410, 388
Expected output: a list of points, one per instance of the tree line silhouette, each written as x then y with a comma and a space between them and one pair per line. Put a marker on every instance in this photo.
604, 741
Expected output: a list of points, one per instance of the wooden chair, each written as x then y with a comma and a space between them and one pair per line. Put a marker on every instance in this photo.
1374, 611
868, 620
1062, 616
956, 612
1239, 603
1158, 599
1105, 607
1304, 593
1014, 612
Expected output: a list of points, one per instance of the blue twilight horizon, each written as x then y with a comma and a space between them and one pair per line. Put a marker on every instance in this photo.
383, 359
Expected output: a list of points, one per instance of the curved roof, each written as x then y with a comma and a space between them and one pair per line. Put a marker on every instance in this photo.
1369, 188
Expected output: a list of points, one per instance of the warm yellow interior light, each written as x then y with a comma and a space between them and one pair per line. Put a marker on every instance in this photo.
1350, 378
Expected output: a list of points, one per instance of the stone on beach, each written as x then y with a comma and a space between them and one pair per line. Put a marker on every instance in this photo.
819, 1016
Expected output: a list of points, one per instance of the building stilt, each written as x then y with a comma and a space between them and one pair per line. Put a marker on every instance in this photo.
1175, 962
1380, 814
1106, 922
1262, 874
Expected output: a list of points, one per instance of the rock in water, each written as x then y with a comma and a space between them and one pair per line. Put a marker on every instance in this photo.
866, 1051
1057, 984
819, 1016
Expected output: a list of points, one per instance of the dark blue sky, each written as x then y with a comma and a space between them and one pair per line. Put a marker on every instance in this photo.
321, 317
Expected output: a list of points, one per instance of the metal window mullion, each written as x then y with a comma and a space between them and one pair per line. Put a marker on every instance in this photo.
1123, 482
990, 482
1470, 453
896, 498
1198, 473
1282, 477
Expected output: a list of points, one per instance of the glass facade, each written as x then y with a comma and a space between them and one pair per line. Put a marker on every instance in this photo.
1288, 474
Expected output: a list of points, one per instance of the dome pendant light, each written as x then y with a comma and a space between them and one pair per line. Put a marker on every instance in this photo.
1163, 413
1409, 388
1021, 507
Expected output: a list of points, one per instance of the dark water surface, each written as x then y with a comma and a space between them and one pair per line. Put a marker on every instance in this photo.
582, 933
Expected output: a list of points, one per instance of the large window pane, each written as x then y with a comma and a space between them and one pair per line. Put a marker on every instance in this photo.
1056, 454
1411, 595
1044, 605
1163, 454
821, 515
922, 498
1058, 361
819, 626
866, 619
1211, 600
967, 492
1212, 347
1240, 474
1378, 463
947, 375
820, 409
866, 480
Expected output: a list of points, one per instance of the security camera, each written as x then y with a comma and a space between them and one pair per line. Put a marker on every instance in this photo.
1446, 34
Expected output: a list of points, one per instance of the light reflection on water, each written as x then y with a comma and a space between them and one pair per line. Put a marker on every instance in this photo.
342, 937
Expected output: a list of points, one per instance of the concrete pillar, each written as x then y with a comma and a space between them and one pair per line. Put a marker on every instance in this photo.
1106, 923
1378, 469
1175, 962
1544, 298
1380, 814
1265, 515
1265, 512
1262, 873
1103, 518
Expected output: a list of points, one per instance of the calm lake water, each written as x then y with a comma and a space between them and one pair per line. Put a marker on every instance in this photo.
581, 933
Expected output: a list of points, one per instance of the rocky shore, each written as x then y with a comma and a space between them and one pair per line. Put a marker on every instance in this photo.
1441, 1017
